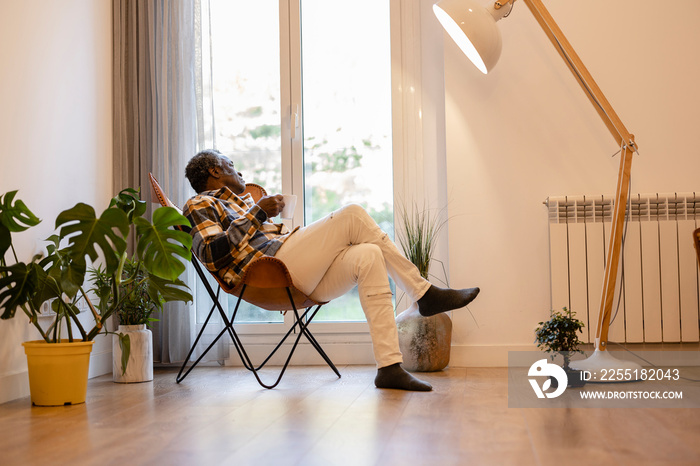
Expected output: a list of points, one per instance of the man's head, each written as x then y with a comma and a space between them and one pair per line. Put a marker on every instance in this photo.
210, 169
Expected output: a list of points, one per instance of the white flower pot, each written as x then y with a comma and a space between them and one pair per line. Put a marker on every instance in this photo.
139, 368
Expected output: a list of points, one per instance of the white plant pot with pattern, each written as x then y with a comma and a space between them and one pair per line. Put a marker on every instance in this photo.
139, 366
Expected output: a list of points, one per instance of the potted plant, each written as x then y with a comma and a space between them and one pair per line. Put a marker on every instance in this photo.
56, 280
425, 342
559, 335
136, 299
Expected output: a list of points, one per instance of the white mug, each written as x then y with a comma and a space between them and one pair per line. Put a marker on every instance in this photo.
290, 202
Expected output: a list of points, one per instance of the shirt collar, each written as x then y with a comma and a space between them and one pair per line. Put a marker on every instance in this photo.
224, 193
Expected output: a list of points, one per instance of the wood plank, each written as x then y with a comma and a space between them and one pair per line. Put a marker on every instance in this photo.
219, 415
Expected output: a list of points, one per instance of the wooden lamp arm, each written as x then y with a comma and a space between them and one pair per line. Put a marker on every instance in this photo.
625, 141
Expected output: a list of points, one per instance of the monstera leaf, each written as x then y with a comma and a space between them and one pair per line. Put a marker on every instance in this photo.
17, 285
59, 273
169, 290
159, 245
85, 231
129, 202
16, 217
13, 218
47, 287
5, 241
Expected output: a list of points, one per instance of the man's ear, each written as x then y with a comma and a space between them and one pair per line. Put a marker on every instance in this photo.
214, 172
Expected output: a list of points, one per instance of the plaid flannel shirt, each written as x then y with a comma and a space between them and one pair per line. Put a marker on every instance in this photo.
230, 231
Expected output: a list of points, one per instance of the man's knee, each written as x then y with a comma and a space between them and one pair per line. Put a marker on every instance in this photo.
357, 216
365, 254
353, 210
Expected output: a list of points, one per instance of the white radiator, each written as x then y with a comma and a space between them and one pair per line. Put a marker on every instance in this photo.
658, 280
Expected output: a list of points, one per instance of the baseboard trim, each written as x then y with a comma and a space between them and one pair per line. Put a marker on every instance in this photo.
13, 386
484, 356
361, 354
305, 355
100, 364
497, 355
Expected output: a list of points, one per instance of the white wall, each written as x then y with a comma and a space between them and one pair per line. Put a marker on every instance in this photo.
526, 131
55, 133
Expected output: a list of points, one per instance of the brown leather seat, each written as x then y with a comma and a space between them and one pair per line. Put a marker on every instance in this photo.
267, 284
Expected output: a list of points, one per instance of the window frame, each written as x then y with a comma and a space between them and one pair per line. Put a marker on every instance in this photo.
406, 144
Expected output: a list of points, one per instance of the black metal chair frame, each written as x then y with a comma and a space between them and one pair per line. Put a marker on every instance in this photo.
302, 321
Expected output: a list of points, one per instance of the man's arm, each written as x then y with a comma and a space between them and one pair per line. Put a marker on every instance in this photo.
272, 205
215, 246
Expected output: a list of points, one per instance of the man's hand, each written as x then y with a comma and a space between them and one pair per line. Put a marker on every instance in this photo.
271, 205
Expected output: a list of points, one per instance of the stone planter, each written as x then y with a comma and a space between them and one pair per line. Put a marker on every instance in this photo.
139, 367
424, 341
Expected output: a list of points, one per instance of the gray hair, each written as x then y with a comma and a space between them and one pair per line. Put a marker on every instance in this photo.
197, 169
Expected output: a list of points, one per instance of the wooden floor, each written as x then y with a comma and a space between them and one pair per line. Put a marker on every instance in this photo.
219, 415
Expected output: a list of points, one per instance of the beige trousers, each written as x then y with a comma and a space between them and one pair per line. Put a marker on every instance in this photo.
327, 258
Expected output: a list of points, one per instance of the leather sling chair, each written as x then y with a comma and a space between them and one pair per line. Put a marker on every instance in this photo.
266, 284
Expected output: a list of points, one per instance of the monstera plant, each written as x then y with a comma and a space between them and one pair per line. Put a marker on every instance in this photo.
58, 278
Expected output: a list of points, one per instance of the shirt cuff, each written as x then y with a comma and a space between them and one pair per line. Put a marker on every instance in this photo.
258, 213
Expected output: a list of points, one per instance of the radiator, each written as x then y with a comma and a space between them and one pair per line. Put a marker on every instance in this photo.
658, 278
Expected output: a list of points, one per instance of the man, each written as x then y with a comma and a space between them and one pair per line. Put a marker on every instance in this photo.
326, 259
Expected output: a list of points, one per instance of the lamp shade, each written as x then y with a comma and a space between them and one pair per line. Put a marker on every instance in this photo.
473, 28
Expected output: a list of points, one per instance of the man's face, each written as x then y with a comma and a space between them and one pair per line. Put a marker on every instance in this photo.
231, 177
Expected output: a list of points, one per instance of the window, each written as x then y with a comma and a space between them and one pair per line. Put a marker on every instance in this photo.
302, 104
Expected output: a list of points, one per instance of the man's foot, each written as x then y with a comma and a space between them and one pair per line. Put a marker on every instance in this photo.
395, 376
437, 300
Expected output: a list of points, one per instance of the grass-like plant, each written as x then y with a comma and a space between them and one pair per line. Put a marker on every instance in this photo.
418, 235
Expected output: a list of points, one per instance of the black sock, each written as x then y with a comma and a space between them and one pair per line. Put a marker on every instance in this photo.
437, 300
395, 376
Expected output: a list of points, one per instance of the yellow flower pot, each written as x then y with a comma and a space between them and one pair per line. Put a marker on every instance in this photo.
58, 372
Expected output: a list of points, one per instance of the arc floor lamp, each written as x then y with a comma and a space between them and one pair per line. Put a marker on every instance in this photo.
474, 30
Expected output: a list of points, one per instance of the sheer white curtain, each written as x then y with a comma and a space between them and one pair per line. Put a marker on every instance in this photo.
161, 83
